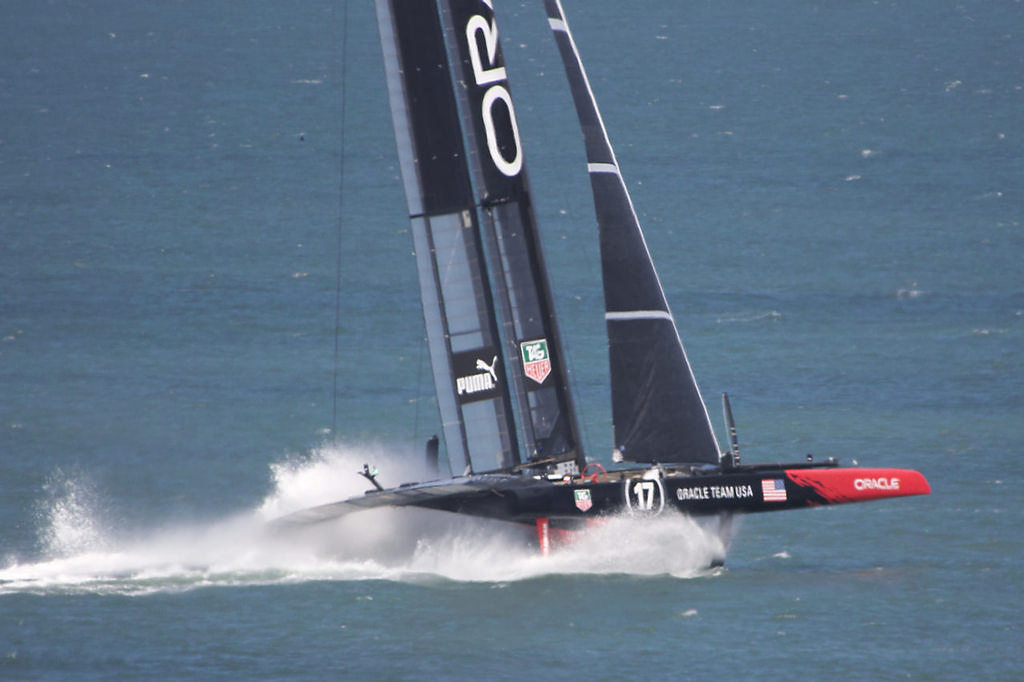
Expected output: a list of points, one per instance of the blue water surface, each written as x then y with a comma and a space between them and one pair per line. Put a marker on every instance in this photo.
833, 196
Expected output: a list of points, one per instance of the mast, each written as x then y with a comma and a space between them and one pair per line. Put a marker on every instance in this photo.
657, 410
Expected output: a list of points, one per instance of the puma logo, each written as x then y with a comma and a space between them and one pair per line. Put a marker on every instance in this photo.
480, 364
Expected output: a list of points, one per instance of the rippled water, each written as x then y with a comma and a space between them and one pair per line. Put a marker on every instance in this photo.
833, 197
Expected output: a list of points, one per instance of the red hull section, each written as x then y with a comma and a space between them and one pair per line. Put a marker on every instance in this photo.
839, 486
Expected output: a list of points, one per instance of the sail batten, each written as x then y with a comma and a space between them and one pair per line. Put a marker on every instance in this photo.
639, 315
657, 412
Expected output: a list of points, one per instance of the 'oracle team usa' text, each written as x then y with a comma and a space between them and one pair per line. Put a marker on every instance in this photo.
715, 492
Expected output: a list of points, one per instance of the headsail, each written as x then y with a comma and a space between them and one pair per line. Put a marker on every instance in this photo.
495, 352
657, 410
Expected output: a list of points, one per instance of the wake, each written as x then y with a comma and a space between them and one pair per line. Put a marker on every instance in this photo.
83, 553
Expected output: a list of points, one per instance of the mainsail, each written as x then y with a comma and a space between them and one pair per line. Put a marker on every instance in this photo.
657, 410
499, 372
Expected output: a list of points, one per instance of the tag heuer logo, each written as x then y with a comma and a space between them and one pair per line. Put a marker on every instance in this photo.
583, 501
536, 361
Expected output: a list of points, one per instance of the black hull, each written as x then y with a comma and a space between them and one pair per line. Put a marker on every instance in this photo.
740, 492
572, 502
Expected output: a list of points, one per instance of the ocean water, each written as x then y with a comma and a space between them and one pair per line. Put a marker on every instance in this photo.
833, 194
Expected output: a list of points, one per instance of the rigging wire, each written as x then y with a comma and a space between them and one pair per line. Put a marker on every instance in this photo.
340, 217
418, 396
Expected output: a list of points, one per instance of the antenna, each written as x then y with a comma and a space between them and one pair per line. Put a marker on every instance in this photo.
730, 427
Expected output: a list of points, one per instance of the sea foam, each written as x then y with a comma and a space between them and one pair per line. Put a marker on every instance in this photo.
84, 552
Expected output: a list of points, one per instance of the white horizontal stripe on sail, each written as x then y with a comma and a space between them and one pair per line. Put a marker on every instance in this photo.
639, 315
558, 25
603, 168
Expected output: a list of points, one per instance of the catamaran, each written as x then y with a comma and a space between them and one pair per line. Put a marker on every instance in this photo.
503, 392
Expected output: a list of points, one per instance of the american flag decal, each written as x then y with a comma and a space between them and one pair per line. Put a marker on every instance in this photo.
773, 489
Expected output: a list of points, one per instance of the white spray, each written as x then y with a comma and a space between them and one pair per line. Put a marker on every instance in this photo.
82, 552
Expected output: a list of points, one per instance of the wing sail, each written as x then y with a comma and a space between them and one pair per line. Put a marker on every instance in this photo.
537, 371
461, 320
